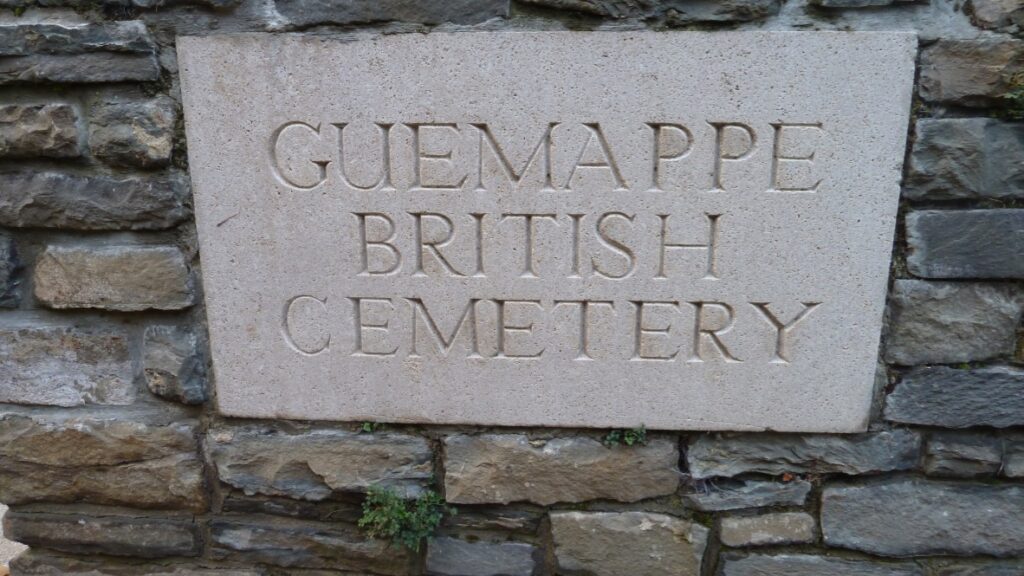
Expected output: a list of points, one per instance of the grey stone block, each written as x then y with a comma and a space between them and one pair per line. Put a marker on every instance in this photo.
965, 158
913, 517
947, 322
314, 463
951, 398
112, 533
313, 12
810, 565
962, 455
172, 365
503, 468
65, 366
970, 72
133, 134
966, 243
733, 454
729, 494
38, 130
10, 265
453, 557
31, 199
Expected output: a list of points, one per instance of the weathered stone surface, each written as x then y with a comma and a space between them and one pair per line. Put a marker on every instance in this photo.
1013, 456
970, 72
106, 459
732, 454
686, 11
133, 134
604, 8
945, 322
966, 243
499, 519
38, 563
729, 494
809, 565
843, 4
44, 130
951, 398
965, 158
627, 543
10, 265
65, 366
913, 517
453, 557
960, 455
995, 14
774, 528
306, 545
503, 468
32, 199
125, 278
313, 464
116, 535
282, 315
948, 567
312, 12
172, 365
103, 52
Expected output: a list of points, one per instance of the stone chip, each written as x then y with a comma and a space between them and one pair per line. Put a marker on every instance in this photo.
172, 365
133, 134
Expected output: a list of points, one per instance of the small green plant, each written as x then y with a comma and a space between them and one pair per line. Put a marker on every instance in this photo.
1014, 99
369, 427
629, 437
386, 515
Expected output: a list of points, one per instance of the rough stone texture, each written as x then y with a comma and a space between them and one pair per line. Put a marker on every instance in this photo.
970, 72
123, 278
113, 459
8, 548
38, 130
253, 269
961, 455
1013, 456
627, 543
57, 200
108, 534
313, 464
965, 158
808, 565
729, 494
105, 52
10, 265
306, 545
503, 468
65, 366
498, 518
715, 11
969, 568
453, 557
843, 4
36, 563
313, 12
172, 365
966, 243
766, 529
732, 454
945, 322
133, 134
913, 517
996, 14
951, 398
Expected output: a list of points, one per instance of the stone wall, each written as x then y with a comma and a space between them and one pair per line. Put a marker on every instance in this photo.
115, 462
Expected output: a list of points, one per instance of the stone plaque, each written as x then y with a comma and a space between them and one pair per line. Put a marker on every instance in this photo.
600, 229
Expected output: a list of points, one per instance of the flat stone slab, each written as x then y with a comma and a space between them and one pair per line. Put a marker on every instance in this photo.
683, 230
